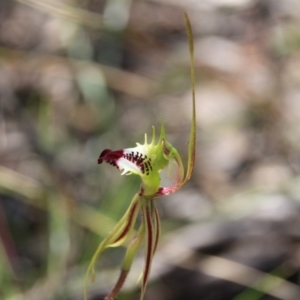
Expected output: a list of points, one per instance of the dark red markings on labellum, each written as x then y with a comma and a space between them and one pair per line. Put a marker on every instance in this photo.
110, 157
140, 160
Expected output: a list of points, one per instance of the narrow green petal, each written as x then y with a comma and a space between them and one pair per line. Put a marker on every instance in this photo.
128, 226
119, 227
192, 141
157, 228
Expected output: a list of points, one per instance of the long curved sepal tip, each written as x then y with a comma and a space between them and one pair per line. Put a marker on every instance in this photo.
192, 138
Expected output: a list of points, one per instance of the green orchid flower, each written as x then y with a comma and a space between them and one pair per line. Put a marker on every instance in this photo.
146, 161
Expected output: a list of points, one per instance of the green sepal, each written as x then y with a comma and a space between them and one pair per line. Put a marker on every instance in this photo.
116, 237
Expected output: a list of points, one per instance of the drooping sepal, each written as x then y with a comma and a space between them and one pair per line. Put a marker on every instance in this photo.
116, 237
127, 262
152, 224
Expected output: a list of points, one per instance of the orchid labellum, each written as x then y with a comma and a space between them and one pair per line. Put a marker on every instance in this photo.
146, 161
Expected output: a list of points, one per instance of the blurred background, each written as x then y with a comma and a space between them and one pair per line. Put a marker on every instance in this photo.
79, 76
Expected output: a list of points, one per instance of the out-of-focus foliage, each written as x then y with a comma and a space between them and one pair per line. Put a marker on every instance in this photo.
80, 76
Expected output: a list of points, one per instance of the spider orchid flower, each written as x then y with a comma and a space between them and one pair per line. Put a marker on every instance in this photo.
146, 161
